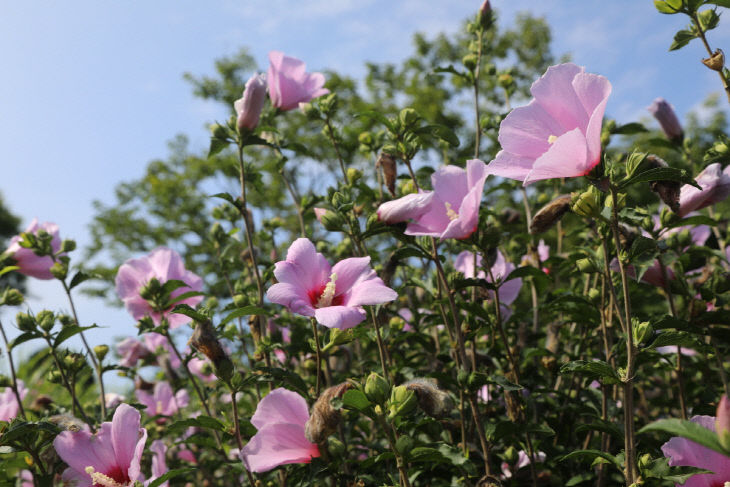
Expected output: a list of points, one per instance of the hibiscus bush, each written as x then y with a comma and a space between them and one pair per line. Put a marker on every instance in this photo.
379, 287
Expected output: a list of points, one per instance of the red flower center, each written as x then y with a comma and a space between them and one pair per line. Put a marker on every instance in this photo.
118, 475
315, 294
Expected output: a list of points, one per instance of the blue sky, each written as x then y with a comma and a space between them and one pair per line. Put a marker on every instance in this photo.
93, 90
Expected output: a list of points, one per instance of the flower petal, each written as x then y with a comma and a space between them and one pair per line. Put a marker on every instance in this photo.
565, 158
342, 317
278, 444
281, 406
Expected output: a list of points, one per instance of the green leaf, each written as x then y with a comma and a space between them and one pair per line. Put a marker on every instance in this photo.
355, 399
227, 197
528, 271
176, 472
629, 129
201, 421
719, 3
80, 277
686, 429
287, 377
596, 369
642, 245
9, 268
664, 8
660, 174
442, 132
603, 427
244, 311
502, 381
184, 309
378, 117
693, 220
451, 69
69, 331
592, 454
216, 145
24, 337
681, 39
672, 338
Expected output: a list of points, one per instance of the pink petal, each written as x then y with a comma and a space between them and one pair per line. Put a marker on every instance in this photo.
449, 183
508, 165
128, 439
342, 317
350, 271
555, 93
278, 444
292, 297
370, 292
526, 131
409, 207
593, 91
281, 406
565, 158
307, 267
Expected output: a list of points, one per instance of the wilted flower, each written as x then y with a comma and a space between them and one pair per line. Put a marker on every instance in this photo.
686, 453
9, 406
715, 185
558, 134
162, 401
335, 295
111, 457
550, 214
451, 210
28, 262
432, 400
248, 108
280, 418
289, 82
324, 418
663, 111
162, 264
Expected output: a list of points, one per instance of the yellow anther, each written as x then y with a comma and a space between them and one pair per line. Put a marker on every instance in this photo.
552, 139
98, 478
328, 294
450, 212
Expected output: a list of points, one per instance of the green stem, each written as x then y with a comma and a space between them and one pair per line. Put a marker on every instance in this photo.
14, 385
703, 38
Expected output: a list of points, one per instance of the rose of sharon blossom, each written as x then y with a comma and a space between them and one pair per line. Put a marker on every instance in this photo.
451, 210
159, 465
248, 107
686, 453
164, 265
162, 401
334, 296
27, 261
280, 418
715, 185
508, 292
109, 457
663, 111
289, 82
558, 134
9, 406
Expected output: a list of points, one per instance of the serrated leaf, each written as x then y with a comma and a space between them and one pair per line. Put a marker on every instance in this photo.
201, 421
595, 369
216, 145
693, 220
355, 399
681, 39
69, 331
78, 278
378, 117
660, 174
528, 271
719, 3
244, 311
629, 129
184, 309
674, 338
286, 376
170, 474
664, 8
686, 429
592, 454
24, 337
502, 381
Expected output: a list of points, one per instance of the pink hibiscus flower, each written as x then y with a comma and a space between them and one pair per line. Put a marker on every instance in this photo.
162, 401
280, 418
289, 82
686, 453
28, 262
248, 107
715, 185
663, 111
9, 406
334, 296
451, 210
558, 134
109, 457
164, 265
508, 292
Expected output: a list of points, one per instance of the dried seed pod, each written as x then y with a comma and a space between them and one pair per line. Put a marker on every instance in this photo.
668, 191
715, 62
550, 214
489, 481
324, 419
41, 402
432, 400
205, 341
387, 163
68, 422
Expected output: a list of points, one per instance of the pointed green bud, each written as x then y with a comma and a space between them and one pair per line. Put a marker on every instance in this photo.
402, 402
45, 320
353, 175
377, 388
588, 203
25, 322
100, 351
11, 297
334, 222
642, 332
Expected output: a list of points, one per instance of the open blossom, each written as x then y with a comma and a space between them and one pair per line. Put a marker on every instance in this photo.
111, 457
289, 82
451, 210
9, 406
159, 465
280, 418
334, 296
687, 453
164, 265
508, 292
558, 134
27, 261
248, 107
202, 368
162, 401
663, 111
715, 185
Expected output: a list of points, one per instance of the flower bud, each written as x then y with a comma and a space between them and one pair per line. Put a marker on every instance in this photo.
248, 108
11, 297
310, 111
402, 402
387, 163
68, 245
59, 270
469, 61
668, 121
100, 351
642, 332
376, 388
407, 186
25, 322
219, 131
511, 455
5, 381
334, 222
324, 419
408, 117
353, 175
586, 265
715, 62
485, 15
588, 203
550, 214
722, 422
45, 320
433, 401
